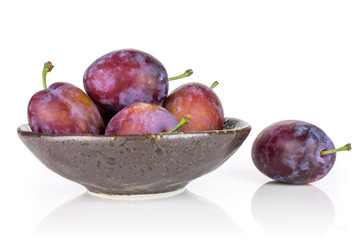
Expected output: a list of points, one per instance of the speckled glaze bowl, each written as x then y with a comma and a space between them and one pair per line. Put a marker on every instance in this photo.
136, 164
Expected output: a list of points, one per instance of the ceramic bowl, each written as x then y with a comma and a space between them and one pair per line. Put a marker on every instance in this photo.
136, 164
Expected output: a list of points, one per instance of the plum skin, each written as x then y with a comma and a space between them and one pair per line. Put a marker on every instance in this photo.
63, 108
123, 77
200, 104
289, 151
141, 118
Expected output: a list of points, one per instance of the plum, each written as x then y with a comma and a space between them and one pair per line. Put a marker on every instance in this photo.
294, 152
143, 118
123, 77
200, 103
63, 108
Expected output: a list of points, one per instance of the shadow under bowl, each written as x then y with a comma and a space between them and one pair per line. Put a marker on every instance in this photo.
136, 164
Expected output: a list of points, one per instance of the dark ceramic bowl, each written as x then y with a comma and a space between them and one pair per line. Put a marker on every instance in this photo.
136, 164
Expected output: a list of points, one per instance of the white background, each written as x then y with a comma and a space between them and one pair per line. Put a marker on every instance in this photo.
274, 60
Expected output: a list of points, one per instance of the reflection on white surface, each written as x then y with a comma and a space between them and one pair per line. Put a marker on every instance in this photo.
292, 210
184, 216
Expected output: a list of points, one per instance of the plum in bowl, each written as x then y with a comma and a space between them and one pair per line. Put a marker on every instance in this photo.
136, 164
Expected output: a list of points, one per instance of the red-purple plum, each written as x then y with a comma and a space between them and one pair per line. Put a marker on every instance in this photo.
294, 152
141, 118
198, 102
63, 108
123, 77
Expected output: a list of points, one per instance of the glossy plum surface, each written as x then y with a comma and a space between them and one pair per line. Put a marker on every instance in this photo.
121, 78
289, 151
200, 103
63, 108
141, 118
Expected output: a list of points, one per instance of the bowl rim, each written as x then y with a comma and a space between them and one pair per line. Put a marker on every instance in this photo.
23, 129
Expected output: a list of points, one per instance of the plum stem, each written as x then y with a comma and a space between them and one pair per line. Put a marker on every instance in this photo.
47, 68
185, 74
214, 84
185, 120
347, 147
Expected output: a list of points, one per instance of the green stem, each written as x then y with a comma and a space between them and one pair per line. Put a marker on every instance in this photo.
214, 84
185, 74
347, 147
182, 123
47, 68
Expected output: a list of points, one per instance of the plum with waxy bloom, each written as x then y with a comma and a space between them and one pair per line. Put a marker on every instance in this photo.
142, 118
123, 77
200, 103
63, 108
295, 152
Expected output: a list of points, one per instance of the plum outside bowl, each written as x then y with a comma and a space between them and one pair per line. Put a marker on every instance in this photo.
136, 164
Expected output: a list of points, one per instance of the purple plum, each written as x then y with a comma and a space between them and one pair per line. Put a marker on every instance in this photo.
121, 78
294, 152
63, 108
198, 102
142, 118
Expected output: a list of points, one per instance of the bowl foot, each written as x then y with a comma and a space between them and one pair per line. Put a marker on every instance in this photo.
137, 197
